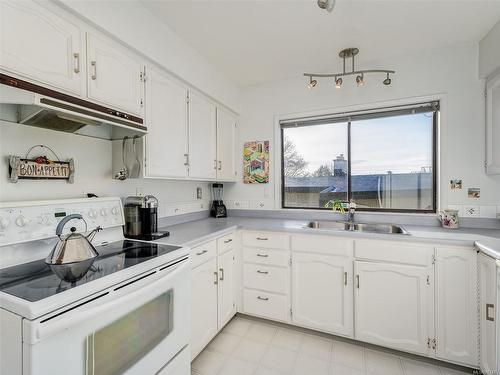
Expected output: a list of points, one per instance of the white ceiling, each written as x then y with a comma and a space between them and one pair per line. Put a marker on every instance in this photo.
257, 41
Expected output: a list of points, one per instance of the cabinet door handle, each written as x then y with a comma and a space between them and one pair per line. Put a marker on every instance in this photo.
357, 281
345, 278
490, 306
263, 255
202, 252
221, 274
263, 272
227, 241
263, 298
216, 278
215, 164
220, 165
76, 55
262, 239
186, 163
94, 70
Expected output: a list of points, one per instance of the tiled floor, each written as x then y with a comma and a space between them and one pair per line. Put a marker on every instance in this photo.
253, 347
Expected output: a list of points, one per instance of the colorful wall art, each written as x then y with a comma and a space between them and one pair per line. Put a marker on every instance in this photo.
256, 162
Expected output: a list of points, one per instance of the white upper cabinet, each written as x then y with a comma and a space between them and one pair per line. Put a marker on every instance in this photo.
115, 75
41, 46
202, 138
322, 296
167, 122
226, 130
493, 125
392, 305
456, 305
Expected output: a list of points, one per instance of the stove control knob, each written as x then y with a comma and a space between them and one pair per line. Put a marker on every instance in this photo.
4, 223
21, 221
93, 214
115, 211
104, 212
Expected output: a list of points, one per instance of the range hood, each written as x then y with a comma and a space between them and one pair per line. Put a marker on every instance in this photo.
62, 112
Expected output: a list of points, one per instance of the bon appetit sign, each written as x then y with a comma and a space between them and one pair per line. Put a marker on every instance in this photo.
40, 168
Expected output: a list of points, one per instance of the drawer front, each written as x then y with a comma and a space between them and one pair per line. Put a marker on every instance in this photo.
322, 244
267, 305
268, 257
201, 253
225, 243
394, 251
271, 279
266, 239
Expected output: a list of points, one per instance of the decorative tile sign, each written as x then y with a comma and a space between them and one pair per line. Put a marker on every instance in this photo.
256, 162
40, 168
456, 184
474, 193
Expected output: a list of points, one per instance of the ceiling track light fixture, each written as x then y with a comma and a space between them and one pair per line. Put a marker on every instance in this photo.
326, 4
312, 83
360, 74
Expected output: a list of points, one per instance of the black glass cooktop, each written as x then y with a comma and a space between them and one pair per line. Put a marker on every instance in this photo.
34, 281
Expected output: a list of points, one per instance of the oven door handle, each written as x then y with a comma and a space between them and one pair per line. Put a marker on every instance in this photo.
142, 294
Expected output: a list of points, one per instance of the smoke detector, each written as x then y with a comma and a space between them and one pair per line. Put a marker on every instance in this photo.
326, 4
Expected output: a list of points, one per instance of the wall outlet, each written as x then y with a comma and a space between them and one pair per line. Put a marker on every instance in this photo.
199, 193
139, 191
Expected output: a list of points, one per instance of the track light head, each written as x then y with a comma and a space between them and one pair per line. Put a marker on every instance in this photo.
326, 4
312, 83
387, 81
338, 82
359, 80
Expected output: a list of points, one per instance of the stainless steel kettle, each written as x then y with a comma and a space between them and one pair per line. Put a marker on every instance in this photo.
73, 254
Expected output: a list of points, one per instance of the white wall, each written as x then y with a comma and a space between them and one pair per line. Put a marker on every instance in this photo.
93, 172
451, 73
136, 26
489, 52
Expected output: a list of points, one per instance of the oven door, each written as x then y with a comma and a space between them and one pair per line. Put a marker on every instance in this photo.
134, 328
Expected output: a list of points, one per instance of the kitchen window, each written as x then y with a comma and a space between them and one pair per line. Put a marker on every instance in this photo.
384, 160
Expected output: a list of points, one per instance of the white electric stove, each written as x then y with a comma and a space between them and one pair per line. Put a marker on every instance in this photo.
129, 314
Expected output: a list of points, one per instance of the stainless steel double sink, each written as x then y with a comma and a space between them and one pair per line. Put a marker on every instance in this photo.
358, 227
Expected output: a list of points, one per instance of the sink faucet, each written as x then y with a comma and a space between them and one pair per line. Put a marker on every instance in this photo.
351, 210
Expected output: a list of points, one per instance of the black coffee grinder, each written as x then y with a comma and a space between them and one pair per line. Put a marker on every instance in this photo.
218, 209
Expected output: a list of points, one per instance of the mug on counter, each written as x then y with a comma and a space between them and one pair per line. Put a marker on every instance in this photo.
449, 218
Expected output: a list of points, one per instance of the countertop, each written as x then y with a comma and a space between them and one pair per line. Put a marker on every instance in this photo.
195, 232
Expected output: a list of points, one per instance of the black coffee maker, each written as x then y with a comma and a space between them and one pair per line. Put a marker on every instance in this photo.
218, 209
141, 218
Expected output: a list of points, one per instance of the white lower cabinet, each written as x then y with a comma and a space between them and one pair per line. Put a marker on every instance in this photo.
391, 305
212, 293
487, 308
203, 305
225, 300
322, 296
456, 305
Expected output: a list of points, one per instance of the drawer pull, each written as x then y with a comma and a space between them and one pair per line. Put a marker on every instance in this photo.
263, 255
227, 241
221, 274
357, 281
263, 298
345, 278
94, 69
262, 239
77, 62
216, 278
263, 272
202, 252
488, 307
